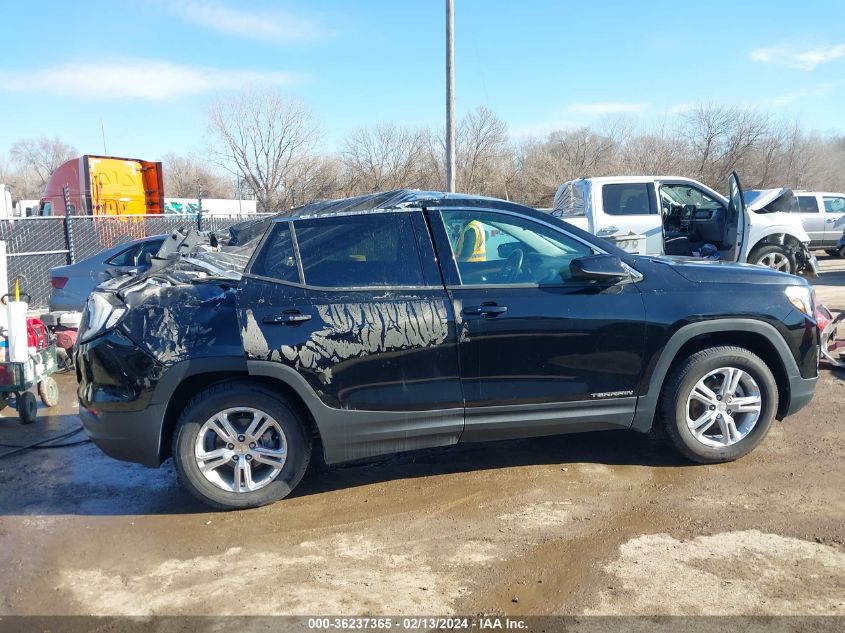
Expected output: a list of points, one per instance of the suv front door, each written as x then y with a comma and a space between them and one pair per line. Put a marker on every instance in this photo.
834, 214
539, 352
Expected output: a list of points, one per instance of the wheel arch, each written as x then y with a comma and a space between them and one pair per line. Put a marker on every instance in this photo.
758, 337
193, 379
777, 237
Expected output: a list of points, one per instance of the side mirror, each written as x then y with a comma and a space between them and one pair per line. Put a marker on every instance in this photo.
598, 268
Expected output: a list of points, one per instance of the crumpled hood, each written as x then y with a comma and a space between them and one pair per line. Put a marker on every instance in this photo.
780, 200
716, 271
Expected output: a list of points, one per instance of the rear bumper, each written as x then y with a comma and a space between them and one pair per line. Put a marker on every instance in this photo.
116, 384
132, 436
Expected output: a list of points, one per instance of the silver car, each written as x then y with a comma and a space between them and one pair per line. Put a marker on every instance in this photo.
73, 283
823, 217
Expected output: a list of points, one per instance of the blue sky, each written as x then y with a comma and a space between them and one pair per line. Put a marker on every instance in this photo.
148, 68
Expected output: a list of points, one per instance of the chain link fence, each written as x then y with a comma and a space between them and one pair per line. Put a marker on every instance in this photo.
37, 244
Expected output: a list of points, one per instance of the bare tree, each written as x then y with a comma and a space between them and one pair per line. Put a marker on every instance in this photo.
183, 174
721, 138
482, 140
311, 178
263, 137
383, 157
38, 158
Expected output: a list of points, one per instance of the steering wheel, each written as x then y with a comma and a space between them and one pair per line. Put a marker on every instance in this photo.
512, 266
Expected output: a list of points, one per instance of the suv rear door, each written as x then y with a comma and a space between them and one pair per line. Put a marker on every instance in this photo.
356, 305
811, 217
540, 353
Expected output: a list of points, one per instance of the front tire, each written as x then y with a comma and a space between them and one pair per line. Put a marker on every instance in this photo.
774, 257
718, 404
239, 445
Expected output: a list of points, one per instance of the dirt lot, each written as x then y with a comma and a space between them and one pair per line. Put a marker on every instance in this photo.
609, 523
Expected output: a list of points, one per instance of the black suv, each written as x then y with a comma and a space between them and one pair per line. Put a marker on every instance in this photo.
407, 319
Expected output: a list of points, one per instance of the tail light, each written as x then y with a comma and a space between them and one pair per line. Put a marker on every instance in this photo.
58, 282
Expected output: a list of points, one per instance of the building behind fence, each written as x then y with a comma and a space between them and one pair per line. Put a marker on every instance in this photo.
37, 244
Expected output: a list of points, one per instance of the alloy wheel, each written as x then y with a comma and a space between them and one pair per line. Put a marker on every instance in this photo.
241, 449
723, 407
776, 261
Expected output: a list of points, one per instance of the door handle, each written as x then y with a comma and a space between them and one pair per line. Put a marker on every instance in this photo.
290, 317
608, 230
485, 309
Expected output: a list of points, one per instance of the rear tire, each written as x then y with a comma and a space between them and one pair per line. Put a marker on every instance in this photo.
246, 466
684, 413
775, 257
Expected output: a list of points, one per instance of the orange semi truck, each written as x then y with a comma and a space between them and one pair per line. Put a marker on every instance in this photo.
104, 185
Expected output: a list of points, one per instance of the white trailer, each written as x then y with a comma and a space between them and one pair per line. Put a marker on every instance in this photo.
212, 206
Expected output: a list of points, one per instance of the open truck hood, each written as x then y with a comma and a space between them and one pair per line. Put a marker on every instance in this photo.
770, 200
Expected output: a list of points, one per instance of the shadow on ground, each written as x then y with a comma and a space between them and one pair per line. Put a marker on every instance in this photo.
81, 480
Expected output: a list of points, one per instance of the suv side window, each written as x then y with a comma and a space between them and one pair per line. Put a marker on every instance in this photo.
627, 199
277, 259
359, 251
484, 243
807, 204
834, 204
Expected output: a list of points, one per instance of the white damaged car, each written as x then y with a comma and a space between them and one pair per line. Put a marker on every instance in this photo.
670, 215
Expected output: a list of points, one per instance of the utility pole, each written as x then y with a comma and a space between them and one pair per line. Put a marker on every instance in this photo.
450, 95
103, 131
199, 206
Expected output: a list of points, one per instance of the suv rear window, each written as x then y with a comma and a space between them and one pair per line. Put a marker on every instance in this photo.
807, 204
277, 259
370, 250
627, 199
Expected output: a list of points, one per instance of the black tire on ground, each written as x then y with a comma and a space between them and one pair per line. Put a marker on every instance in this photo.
27, 407
842, 251
4, 400
761, 252
833, 252
679, 384
49, 392
233, 394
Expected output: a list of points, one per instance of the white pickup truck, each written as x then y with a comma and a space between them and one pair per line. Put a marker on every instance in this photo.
657, 215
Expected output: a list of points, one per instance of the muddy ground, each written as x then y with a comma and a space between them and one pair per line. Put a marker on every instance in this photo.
602, 523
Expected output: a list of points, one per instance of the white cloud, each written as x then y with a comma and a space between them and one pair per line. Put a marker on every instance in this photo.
135, 78
819, 90
268, 24
799, 59
607, 107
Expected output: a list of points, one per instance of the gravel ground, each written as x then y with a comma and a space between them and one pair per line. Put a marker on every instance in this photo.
601, 523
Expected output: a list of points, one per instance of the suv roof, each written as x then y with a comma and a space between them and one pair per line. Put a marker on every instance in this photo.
602, 179
397, 200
